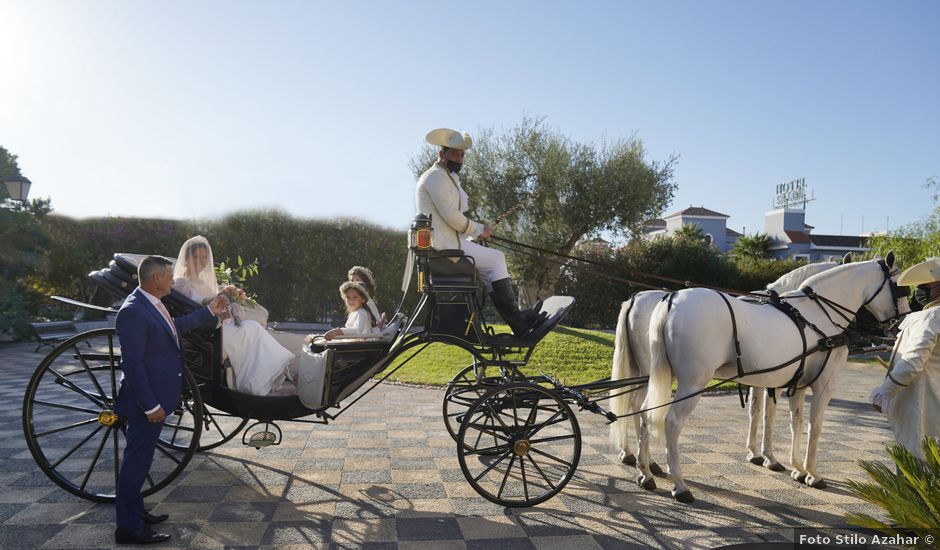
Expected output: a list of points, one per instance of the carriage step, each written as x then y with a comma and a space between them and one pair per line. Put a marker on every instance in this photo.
263, 437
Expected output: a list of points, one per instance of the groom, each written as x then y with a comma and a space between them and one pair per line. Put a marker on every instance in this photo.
152, 362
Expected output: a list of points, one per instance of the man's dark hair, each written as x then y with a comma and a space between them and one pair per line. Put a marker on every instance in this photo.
151, 265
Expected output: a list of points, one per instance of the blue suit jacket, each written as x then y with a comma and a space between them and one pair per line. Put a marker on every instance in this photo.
150, 358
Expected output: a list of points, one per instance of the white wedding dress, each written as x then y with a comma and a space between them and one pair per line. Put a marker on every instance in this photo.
259, 361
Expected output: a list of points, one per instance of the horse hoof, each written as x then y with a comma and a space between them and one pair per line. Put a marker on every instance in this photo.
774, 466
815, 483
685, 497
756, 460
798, 476
647, 483
656, 470
628, 459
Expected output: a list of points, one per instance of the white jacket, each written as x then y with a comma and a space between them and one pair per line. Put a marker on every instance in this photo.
440, 195
912, 387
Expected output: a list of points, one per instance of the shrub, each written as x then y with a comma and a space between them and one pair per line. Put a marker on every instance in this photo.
911, 497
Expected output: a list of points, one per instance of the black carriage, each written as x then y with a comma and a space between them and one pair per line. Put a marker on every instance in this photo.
518, 441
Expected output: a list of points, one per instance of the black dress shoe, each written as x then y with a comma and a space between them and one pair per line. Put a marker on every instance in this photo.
143, 536
152, 519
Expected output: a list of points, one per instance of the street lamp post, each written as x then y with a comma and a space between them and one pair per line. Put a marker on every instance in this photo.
17, 187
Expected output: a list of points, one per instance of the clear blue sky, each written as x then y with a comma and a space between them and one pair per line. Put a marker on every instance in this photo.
188, 109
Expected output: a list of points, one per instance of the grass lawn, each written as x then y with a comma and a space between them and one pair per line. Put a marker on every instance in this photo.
573, 356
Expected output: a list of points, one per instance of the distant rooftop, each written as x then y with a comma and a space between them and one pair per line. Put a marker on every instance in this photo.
798, 237
654, 225
838, 241
697, 211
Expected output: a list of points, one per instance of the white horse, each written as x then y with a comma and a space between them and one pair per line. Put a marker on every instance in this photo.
693, 340
632, 359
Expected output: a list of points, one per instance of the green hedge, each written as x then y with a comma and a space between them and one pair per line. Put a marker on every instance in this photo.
302, 262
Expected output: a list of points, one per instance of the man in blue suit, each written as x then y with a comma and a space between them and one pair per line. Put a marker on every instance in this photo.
152, 362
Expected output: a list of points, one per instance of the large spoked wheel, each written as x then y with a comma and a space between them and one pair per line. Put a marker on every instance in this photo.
462, 392
217, 427
537, 445
72, 430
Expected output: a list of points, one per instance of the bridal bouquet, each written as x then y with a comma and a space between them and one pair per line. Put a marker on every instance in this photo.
236, 299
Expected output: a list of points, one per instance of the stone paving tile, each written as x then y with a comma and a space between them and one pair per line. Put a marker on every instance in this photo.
379, 478
82, 536
28, 537
500, 544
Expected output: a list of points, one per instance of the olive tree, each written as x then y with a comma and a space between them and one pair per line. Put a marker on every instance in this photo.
534, 185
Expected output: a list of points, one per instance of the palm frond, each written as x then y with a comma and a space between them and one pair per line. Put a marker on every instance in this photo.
910, 497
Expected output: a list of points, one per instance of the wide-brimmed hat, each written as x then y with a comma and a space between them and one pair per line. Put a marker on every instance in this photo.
927, 271
452, 139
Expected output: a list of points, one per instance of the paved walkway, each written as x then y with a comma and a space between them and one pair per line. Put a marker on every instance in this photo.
385, 475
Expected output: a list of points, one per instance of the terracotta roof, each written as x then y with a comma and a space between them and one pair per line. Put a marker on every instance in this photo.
839, 241
697, 211
798, 237
654, 226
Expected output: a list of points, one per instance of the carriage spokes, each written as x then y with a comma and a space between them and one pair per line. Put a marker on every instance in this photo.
71, 428
536, 444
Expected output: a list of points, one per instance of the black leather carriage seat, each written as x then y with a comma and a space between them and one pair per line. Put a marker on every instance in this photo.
449, 275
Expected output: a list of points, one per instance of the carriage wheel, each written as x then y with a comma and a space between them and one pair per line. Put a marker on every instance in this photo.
462, 392
71, 428
217, 427
538, 445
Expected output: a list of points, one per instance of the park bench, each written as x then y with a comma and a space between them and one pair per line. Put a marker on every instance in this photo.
52, 332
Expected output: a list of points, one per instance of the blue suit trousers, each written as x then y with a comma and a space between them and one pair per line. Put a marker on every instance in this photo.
140, 444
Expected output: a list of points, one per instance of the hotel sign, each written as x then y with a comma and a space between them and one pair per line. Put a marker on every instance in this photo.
791, 194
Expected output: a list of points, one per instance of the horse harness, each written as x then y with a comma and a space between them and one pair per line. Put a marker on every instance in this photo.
825, 343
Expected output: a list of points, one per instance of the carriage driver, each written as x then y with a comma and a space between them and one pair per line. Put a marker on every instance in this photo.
910, 394
439, 194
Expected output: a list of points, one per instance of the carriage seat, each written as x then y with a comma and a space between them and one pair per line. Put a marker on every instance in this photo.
449, 275
388, 334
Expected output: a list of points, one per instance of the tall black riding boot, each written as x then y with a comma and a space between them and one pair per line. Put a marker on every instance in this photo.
505, 301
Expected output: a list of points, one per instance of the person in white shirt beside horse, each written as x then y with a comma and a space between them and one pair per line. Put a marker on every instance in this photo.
910, 394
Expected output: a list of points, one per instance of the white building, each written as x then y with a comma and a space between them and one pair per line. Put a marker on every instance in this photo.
713, 225
792, 237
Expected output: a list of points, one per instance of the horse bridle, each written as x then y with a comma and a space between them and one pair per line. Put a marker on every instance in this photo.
897, 292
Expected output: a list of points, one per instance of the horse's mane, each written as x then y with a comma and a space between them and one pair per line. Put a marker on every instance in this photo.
794, 279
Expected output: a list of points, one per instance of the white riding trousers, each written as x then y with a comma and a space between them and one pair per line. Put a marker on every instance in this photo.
490, 262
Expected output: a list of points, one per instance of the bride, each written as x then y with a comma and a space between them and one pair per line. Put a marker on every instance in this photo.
260, 362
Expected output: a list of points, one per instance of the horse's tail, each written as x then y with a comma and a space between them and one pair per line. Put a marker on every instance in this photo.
659, 390
623, 367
